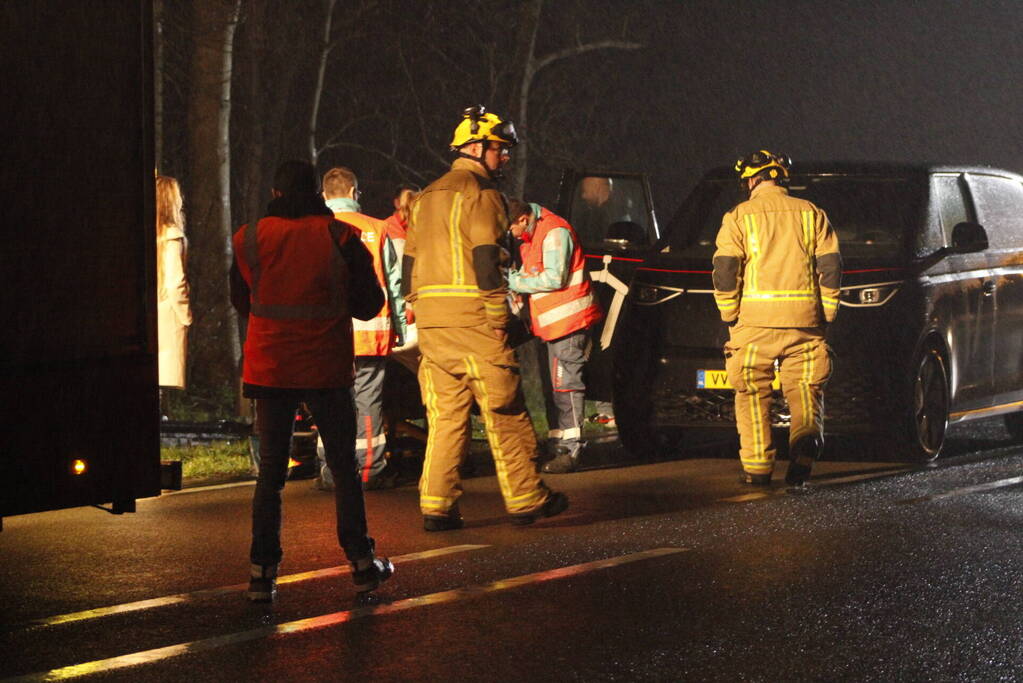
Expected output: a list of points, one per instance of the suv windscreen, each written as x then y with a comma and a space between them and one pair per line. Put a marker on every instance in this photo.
870, 214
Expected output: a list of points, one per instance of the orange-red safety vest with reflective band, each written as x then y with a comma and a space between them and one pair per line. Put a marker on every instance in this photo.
555, 314
300, 330
372, 337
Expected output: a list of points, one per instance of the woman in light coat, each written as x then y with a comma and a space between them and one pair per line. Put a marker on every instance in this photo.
173, 313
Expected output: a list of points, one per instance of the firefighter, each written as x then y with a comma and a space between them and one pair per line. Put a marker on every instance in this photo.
455, 288
374, 338
562, 309
298, 277
777, 274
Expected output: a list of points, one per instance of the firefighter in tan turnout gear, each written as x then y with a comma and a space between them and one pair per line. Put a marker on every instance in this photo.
777, 273
458, 298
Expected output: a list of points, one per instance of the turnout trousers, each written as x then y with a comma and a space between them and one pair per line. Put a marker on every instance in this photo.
804, 368
460, 364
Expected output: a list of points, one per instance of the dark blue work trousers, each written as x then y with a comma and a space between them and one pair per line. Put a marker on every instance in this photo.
334, 414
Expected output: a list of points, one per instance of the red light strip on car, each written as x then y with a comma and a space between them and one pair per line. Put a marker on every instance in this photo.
615, 258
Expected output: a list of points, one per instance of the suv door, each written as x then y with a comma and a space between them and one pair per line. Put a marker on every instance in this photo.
972, 316
613, 215
999, 204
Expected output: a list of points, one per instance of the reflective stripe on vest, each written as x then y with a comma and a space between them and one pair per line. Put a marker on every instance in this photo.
372, 337
333, 309
571, 308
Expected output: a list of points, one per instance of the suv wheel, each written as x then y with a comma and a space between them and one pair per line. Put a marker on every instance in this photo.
927, 418
1014, 425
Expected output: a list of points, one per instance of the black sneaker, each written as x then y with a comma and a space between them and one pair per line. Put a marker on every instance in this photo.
262, 583
555, 504
755, 479
369, 572
448, 522
566, 460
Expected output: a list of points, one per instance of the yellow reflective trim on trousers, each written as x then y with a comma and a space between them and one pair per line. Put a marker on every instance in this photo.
753, 241
432, 414
473, 371
755, 418
455, 239
804, 388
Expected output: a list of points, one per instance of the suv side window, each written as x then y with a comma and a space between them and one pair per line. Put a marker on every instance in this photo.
951, 208
611, 209
999, 203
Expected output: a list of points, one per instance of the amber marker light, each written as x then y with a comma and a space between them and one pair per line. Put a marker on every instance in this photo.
78, 466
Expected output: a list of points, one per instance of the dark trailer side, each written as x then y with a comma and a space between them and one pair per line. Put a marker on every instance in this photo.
77, 281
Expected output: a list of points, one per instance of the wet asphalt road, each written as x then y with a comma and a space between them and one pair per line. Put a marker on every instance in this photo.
671, 570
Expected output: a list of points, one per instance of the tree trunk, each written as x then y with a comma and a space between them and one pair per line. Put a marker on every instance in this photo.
525, 61
214, 334
325, 49
158, 65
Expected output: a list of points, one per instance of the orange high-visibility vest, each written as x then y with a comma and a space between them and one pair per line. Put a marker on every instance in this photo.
572, 308
372, 337
299, 333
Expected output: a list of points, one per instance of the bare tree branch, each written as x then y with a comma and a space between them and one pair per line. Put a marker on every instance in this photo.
389, 156
581, 49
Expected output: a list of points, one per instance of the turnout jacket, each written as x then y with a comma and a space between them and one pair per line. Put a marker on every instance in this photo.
299, 276
451, 268
777, 262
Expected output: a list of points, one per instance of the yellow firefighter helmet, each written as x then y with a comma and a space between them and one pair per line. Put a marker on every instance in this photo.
763, 163
478, 125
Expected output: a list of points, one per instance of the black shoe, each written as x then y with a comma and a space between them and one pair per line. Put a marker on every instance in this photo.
755, 479
555, 504
387, 479
369, 572
802, 455
262, 583
448, 522
566, 460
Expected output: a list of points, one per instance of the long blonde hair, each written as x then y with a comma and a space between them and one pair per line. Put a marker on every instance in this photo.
403, 202
169, 214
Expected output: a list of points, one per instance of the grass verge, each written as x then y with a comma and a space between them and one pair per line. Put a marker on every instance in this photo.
217, 459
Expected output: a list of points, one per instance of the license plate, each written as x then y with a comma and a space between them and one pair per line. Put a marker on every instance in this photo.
718, 379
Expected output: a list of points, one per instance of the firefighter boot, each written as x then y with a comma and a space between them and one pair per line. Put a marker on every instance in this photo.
802, 455
555, 504
449, 522
262, 583
755, 479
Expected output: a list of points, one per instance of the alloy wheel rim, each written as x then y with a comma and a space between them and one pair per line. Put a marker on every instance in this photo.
931, 403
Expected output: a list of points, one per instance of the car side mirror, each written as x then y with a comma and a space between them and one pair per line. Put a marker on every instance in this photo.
968, 238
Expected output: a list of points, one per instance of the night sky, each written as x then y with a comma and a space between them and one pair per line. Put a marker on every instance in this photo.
893, 80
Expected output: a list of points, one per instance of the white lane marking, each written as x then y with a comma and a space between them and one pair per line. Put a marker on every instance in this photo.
149, 656
200, 489
208, 592
1001, 483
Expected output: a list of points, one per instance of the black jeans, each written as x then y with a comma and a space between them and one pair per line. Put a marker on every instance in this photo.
334, 413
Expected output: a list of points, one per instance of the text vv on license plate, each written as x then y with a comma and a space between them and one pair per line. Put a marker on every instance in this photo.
718, 379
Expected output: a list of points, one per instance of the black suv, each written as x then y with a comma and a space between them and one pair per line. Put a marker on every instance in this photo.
930, 329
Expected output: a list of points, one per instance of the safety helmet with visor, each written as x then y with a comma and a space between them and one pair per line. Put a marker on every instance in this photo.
764, 164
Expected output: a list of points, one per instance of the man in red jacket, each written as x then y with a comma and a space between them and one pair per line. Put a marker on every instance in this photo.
299, 276
562, 309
